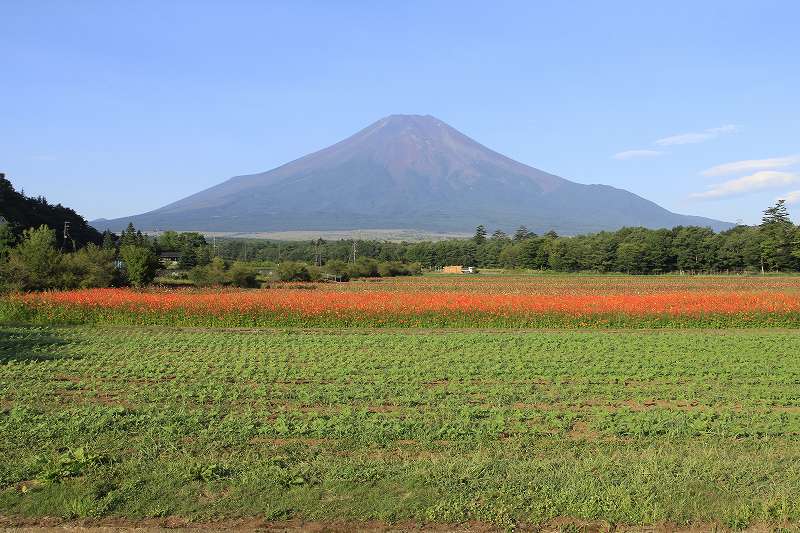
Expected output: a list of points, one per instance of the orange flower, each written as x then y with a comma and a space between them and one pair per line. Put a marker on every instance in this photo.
324, 300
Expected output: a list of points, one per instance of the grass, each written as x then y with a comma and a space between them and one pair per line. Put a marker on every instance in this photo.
627, 427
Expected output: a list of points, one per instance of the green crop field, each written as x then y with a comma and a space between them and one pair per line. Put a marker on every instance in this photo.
425, 426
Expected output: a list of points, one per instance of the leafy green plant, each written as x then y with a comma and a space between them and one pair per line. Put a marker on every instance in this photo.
72, 463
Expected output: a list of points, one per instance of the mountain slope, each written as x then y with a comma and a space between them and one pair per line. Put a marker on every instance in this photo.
407, 171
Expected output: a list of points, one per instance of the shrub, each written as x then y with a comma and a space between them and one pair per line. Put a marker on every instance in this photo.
364, 268
337, 268
210, 274
242, 275
140, 264
89, 267
394, 268
293, 271
35, 263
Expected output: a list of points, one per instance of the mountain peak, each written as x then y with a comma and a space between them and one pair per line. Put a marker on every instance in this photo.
407, 171
399, 125
409, 118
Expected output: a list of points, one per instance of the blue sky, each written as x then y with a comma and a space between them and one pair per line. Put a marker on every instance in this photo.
116, 108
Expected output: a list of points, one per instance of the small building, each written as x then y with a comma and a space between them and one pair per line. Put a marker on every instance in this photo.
166, 258
459, 269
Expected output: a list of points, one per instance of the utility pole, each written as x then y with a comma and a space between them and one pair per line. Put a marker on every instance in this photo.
67, 236
214, 240
354, 251
318, 251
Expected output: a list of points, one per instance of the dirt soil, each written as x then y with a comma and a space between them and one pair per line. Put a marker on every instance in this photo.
176, 524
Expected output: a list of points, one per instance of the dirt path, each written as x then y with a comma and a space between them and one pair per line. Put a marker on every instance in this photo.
426, 330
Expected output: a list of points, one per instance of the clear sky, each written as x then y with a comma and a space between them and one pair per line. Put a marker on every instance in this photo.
116, 108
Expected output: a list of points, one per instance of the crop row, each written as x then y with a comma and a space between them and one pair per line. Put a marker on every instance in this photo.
631, 427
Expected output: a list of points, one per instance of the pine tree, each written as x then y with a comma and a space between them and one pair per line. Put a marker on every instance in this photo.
499, 235
522, 233
777, 238
128, 236
777, 214
480, 235
108, 241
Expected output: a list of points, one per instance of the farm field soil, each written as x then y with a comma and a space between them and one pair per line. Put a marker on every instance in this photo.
437, 427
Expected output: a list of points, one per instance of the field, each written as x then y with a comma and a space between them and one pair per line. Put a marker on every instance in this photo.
664, 421
446, 301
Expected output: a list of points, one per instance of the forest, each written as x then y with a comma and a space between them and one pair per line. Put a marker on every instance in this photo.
772, 246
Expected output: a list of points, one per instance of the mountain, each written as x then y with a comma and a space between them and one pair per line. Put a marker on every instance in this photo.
22, 212
407, 172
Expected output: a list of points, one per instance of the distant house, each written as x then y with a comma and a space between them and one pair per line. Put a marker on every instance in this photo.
459, 269
165, 258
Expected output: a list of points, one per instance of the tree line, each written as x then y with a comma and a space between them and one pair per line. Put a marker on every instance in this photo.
772, 246
35, 261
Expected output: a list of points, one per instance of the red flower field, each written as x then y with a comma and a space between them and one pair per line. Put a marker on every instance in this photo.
545, 301
320, 301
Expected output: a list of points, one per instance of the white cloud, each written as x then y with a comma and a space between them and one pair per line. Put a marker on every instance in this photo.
764, 179
791, 197
697, 137
633, 154
727, 128
750, 165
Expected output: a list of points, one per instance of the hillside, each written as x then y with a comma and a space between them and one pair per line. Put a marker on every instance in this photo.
23, 212
407, 172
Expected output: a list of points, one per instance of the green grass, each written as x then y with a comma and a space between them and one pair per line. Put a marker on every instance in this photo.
628, 427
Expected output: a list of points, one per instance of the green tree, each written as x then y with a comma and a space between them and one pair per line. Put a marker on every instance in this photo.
242, 275
364, 268
293, 271
522, 233
777, 238
480, 235
109, 242
140, 264
128, 236
337, 268
34, 264
510, 255
564, 255
499, 235
7, 240
91, 266
209, 275
739, 249
694, 249
529, 254
630, 256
